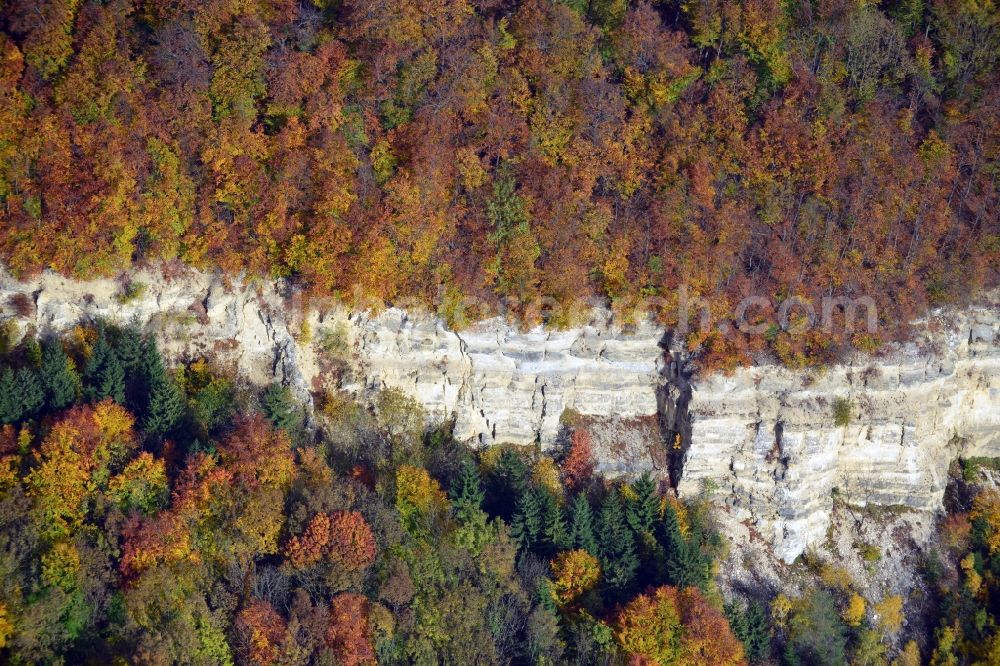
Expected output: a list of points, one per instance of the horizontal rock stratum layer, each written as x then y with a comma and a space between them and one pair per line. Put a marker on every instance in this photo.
502, 385
498, 384
762, 442
766, 437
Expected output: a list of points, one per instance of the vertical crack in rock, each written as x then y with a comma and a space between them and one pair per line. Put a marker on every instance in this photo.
541, 418
673, 398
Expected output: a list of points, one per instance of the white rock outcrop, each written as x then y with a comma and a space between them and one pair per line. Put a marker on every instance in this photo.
765, 438
505, 386
761, 442
192, 314
498, 384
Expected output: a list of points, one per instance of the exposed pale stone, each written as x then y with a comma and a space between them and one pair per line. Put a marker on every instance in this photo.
764, 437
192, 315
502, 385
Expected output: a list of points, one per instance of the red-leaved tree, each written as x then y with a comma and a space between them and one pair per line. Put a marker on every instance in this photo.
262, 631
347, 634
343, 536
578, 466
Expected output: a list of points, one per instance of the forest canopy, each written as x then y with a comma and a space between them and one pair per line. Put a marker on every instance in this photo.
151, 515
515, 151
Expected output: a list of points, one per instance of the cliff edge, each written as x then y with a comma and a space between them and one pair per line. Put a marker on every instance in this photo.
771, 446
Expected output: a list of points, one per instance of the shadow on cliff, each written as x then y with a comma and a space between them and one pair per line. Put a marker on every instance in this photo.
672, 398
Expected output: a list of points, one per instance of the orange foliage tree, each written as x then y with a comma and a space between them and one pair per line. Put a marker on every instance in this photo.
75, 458
262, 631
348, 632
671, 626
575, 572
372, 164
257, 454
172, 535
343, 536
578, 465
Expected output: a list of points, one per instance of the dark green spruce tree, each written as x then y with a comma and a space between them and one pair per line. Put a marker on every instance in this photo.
10, 401
281, 408
643, 510
33, 351
467, 492
104, 376
111, 381
555, 533
128, 344
506, 484
165, 404
684, 564
749, 625
616, 545
60, 380
98, 357
526, 525
31, 392
21, 395
582, 525
150, 367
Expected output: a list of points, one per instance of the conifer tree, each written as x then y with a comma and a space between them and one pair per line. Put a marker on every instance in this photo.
737, 618
507, 483
33, 351
749, 624
10, 402
474, 530
669, 531
616, 544
128, 345
164, 403
514, 470
282, 410
151, 365
104, 375
684, 563
526, 525
30, 392
582, 525
21, 395
555, 534
111, 381
790, 657
672, 542
60, 380
467, 492
98, 357
643, 510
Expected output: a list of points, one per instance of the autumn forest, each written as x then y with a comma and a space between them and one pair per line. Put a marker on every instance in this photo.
444, 150
470, 157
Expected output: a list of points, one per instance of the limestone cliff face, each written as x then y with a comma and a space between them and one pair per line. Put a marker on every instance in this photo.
192, 315
766, 437
503, 385
498, 384
762, 443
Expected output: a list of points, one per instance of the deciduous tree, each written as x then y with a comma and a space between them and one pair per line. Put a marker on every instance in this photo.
574, 573
348, 631
578, 465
